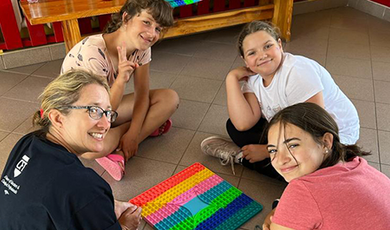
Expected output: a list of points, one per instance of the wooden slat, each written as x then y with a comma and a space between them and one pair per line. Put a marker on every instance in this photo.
204, 7
71, 33
219, 20
219, 5
9, 26
283, 16
234, 4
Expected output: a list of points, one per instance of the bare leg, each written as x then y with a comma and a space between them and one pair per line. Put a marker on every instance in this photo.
163, 103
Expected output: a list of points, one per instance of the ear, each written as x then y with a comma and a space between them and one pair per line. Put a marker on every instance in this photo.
327, 139
56, 118
124, 17
280, 44
246, 64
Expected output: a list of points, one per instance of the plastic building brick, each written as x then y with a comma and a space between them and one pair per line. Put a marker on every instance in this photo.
196, 198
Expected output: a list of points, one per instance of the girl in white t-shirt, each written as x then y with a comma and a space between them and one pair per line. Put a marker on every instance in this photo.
273, 80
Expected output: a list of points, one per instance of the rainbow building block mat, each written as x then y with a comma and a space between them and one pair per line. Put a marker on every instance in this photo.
196, 198
176, 3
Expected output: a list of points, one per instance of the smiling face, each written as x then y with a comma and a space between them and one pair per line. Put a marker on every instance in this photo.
79, 131
286, 142
143, 31
262, 53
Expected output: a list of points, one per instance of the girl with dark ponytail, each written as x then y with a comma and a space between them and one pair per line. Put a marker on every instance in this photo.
123, 51
330, 184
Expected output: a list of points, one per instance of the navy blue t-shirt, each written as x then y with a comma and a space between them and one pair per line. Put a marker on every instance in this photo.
43, 186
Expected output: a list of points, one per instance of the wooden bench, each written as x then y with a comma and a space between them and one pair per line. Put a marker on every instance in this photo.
208, 15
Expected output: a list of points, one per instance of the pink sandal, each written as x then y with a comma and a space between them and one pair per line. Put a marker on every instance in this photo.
164, 128
114, 164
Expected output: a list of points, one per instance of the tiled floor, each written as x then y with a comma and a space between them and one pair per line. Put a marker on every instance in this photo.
354, 47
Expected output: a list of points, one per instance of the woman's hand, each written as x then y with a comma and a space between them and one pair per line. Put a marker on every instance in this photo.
128, 145
254, 153
125, 67
241, 73
130, 219
120, 207
268, 220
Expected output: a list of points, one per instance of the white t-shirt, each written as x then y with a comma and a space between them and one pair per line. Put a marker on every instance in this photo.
297, 80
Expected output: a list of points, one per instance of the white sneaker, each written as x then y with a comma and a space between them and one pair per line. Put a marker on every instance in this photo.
223, 149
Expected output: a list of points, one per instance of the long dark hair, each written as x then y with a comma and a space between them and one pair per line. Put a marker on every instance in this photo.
316, 121
160, 10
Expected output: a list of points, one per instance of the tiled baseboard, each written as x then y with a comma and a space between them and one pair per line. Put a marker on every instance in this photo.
34, 55
308, 6
372, 8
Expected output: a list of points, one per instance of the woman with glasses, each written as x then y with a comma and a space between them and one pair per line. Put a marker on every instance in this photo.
44, 185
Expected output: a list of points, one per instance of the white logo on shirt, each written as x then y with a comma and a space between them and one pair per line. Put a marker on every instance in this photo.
6, 192
21, 165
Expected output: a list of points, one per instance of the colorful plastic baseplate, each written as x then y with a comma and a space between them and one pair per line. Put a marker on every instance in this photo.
196, 198
177, 3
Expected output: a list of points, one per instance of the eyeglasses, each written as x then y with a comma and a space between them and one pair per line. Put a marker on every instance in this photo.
95, 112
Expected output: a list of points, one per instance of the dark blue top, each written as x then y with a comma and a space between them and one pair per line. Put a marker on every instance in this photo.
43, 186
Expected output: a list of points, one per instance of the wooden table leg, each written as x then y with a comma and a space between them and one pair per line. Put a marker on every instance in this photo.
71, 31
283, 16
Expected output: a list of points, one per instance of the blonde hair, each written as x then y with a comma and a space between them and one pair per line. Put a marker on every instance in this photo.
64, 91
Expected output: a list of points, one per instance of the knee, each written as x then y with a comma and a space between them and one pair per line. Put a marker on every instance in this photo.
169, 98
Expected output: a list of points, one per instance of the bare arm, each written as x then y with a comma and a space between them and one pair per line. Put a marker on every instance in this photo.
125, 69
244, 109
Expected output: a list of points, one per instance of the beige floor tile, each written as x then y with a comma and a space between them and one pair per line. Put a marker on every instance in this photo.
304, 46
221, 98
17, 113
380, 54
369, 142
348, 50
386, 170
378, 25
352, 23
265, 194
348, 36
366, 111
29, 89
168, 62
380, 39
207, 68
194, 154
26, 127
237, 63
349, 67
190, 114
3, 135
215, 120
311, 31
6, 145
51, 69
225, 35
29, 69
168, 148
381, 71
382, 92
355, 88
217, 51
141, 175
382, 116
384, 146
196, 89
314, 18
9, 80
187, 45
375, 165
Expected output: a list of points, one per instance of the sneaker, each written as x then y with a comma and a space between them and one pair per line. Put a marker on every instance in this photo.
222, 148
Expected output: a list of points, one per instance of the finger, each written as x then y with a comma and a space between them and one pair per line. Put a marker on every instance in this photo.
123, 54
119, 53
